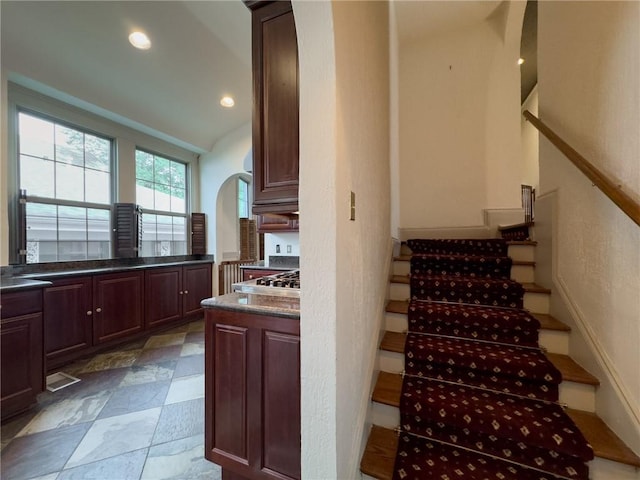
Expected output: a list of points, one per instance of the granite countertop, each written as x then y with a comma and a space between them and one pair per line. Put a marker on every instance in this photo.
12, 284
261, 304
98, 270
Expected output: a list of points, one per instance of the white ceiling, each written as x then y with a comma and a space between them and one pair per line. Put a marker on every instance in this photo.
201, 51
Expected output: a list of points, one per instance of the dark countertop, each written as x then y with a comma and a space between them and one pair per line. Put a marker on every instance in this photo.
257, 304
99, 270
12, 284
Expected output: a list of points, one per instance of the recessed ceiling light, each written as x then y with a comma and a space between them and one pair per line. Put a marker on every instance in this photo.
520, 61
227, 102
140, 40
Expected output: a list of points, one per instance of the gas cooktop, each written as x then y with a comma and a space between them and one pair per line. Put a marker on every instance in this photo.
286, 284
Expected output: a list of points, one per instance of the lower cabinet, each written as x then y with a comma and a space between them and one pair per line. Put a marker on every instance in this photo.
118, 300
22, 366
83, 312
277, 223
175, 292
252, 395
68, 319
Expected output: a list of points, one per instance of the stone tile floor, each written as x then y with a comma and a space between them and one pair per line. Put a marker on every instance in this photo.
137, 413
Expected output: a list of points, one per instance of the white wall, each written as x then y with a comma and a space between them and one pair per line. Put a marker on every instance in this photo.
344, 147
459, 107
588, 77
530, 170
271, 240
224, 161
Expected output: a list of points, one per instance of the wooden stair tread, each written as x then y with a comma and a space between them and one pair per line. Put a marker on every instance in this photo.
402, 258
398, 306
533, 243
401, 279
380, 453
393, 342
523, 263
534, 288
388, 389
571, 370
605, 443
547, 322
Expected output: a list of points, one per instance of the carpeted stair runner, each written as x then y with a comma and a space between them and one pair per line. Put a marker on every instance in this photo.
471, 290
505, 368
538, 431
462, 265
501, 325
478, 394
422, 459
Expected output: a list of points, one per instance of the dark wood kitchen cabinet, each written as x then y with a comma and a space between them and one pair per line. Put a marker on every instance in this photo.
118, 300
22, 367
163, 295
252, 274
68, 319
277, 223
252, 394
275, 111
196, 281
172, 293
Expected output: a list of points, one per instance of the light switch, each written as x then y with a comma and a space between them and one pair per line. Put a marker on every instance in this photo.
352, 215
288, 248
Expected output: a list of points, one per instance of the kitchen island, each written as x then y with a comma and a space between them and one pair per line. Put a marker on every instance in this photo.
252, 385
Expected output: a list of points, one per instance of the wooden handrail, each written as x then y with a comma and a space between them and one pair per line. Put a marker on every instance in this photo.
627, 204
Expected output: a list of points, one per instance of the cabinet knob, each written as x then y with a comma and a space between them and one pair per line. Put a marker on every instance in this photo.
181, 292
186, 291
250, 277
98, 310
89, 312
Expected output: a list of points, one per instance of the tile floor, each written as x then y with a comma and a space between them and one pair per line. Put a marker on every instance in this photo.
137, 413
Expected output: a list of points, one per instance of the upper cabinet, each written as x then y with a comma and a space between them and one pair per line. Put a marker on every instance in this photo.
275, 107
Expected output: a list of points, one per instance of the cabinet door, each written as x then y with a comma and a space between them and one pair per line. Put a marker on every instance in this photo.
281, 403
252, 394
272, 223
118, 305
275, 96
22, 367
196, 287
163, 293
68, 318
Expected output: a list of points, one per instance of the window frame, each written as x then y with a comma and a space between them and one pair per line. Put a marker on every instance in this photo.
47, 102
16, 254
166, 213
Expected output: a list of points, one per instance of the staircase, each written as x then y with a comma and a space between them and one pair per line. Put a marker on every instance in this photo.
576, 390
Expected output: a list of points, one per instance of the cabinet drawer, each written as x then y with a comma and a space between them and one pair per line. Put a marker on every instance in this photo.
248, 274
21, 303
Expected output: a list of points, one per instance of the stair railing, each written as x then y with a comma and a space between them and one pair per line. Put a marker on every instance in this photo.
627, 204
229, 272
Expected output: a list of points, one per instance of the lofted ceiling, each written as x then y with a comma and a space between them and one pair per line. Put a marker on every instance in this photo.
201, 50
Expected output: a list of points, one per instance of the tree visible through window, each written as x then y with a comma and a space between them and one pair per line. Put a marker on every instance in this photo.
161, 191
66, 173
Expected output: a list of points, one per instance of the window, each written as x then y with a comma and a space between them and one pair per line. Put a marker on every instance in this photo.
161, 191
66, 173
243, 198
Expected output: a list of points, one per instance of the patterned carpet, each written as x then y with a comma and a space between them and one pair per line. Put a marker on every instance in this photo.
137, 413
479, 397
